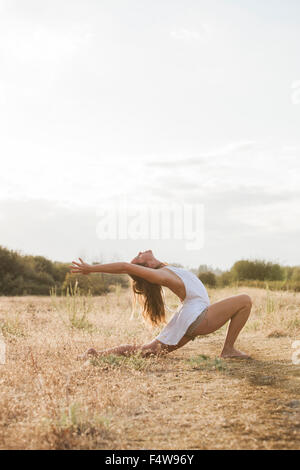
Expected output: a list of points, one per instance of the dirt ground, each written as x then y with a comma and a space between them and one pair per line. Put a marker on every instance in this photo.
189, 399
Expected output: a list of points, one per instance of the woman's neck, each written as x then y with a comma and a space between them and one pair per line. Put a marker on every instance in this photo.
161, 264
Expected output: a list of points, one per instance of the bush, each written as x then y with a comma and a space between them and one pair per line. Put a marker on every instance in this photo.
96, 283
296, 274
92, 283
208, 278
224, 279
36, 275
261, 274
257, 270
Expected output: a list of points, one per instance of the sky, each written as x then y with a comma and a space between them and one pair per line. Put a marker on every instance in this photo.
192, 103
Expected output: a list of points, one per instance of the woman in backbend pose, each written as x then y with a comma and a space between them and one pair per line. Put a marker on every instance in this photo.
196, 316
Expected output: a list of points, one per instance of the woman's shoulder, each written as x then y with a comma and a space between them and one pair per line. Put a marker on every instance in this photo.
169, 266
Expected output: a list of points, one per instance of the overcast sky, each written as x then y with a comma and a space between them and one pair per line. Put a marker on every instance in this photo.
156, 102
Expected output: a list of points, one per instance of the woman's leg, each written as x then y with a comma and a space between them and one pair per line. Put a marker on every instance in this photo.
123, 350
236, 309
155, 347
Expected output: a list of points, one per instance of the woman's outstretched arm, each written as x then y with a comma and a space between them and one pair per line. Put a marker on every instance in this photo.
156, 276
109, 268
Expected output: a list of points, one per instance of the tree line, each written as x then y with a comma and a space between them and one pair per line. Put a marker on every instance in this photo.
256, 273
37, 275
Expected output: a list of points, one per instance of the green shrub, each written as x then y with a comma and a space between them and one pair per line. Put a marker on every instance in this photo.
208, 278
224, 279
257, 270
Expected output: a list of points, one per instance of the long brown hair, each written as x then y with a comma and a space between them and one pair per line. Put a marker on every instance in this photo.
150, 296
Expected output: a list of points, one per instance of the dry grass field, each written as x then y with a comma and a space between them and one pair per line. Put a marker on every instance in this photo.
189, 399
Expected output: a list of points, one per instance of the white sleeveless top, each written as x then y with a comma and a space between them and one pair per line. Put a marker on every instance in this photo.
195, 302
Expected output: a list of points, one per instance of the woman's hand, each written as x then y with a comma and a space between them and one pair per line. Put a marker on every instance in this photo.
81, 268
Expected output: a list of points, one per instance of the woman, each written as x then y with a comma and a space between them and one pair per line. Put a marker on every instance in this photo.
196, 316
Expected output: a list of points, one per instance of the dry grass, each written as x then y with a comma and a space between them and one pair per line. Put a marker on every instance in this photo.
188, 400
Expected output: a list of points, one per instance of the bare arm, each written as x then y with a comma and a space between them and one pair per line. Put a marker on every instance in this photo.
109, 268
156, 276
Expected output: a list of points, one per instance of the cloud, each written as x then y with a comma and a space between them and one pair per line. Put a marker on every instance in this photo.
231, 149
203, 33
185, 34
30, 41
170, 163
63, 233
250, 192
43, 227
242, 222
240, 164
239, 146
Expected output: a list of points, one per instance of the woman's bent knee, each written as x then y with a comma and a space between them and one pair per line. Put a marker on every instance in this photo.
246, 300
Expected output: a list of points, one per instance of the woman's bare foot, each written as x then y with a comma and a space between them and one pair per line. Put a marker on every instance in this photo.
234, 353
87, 355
